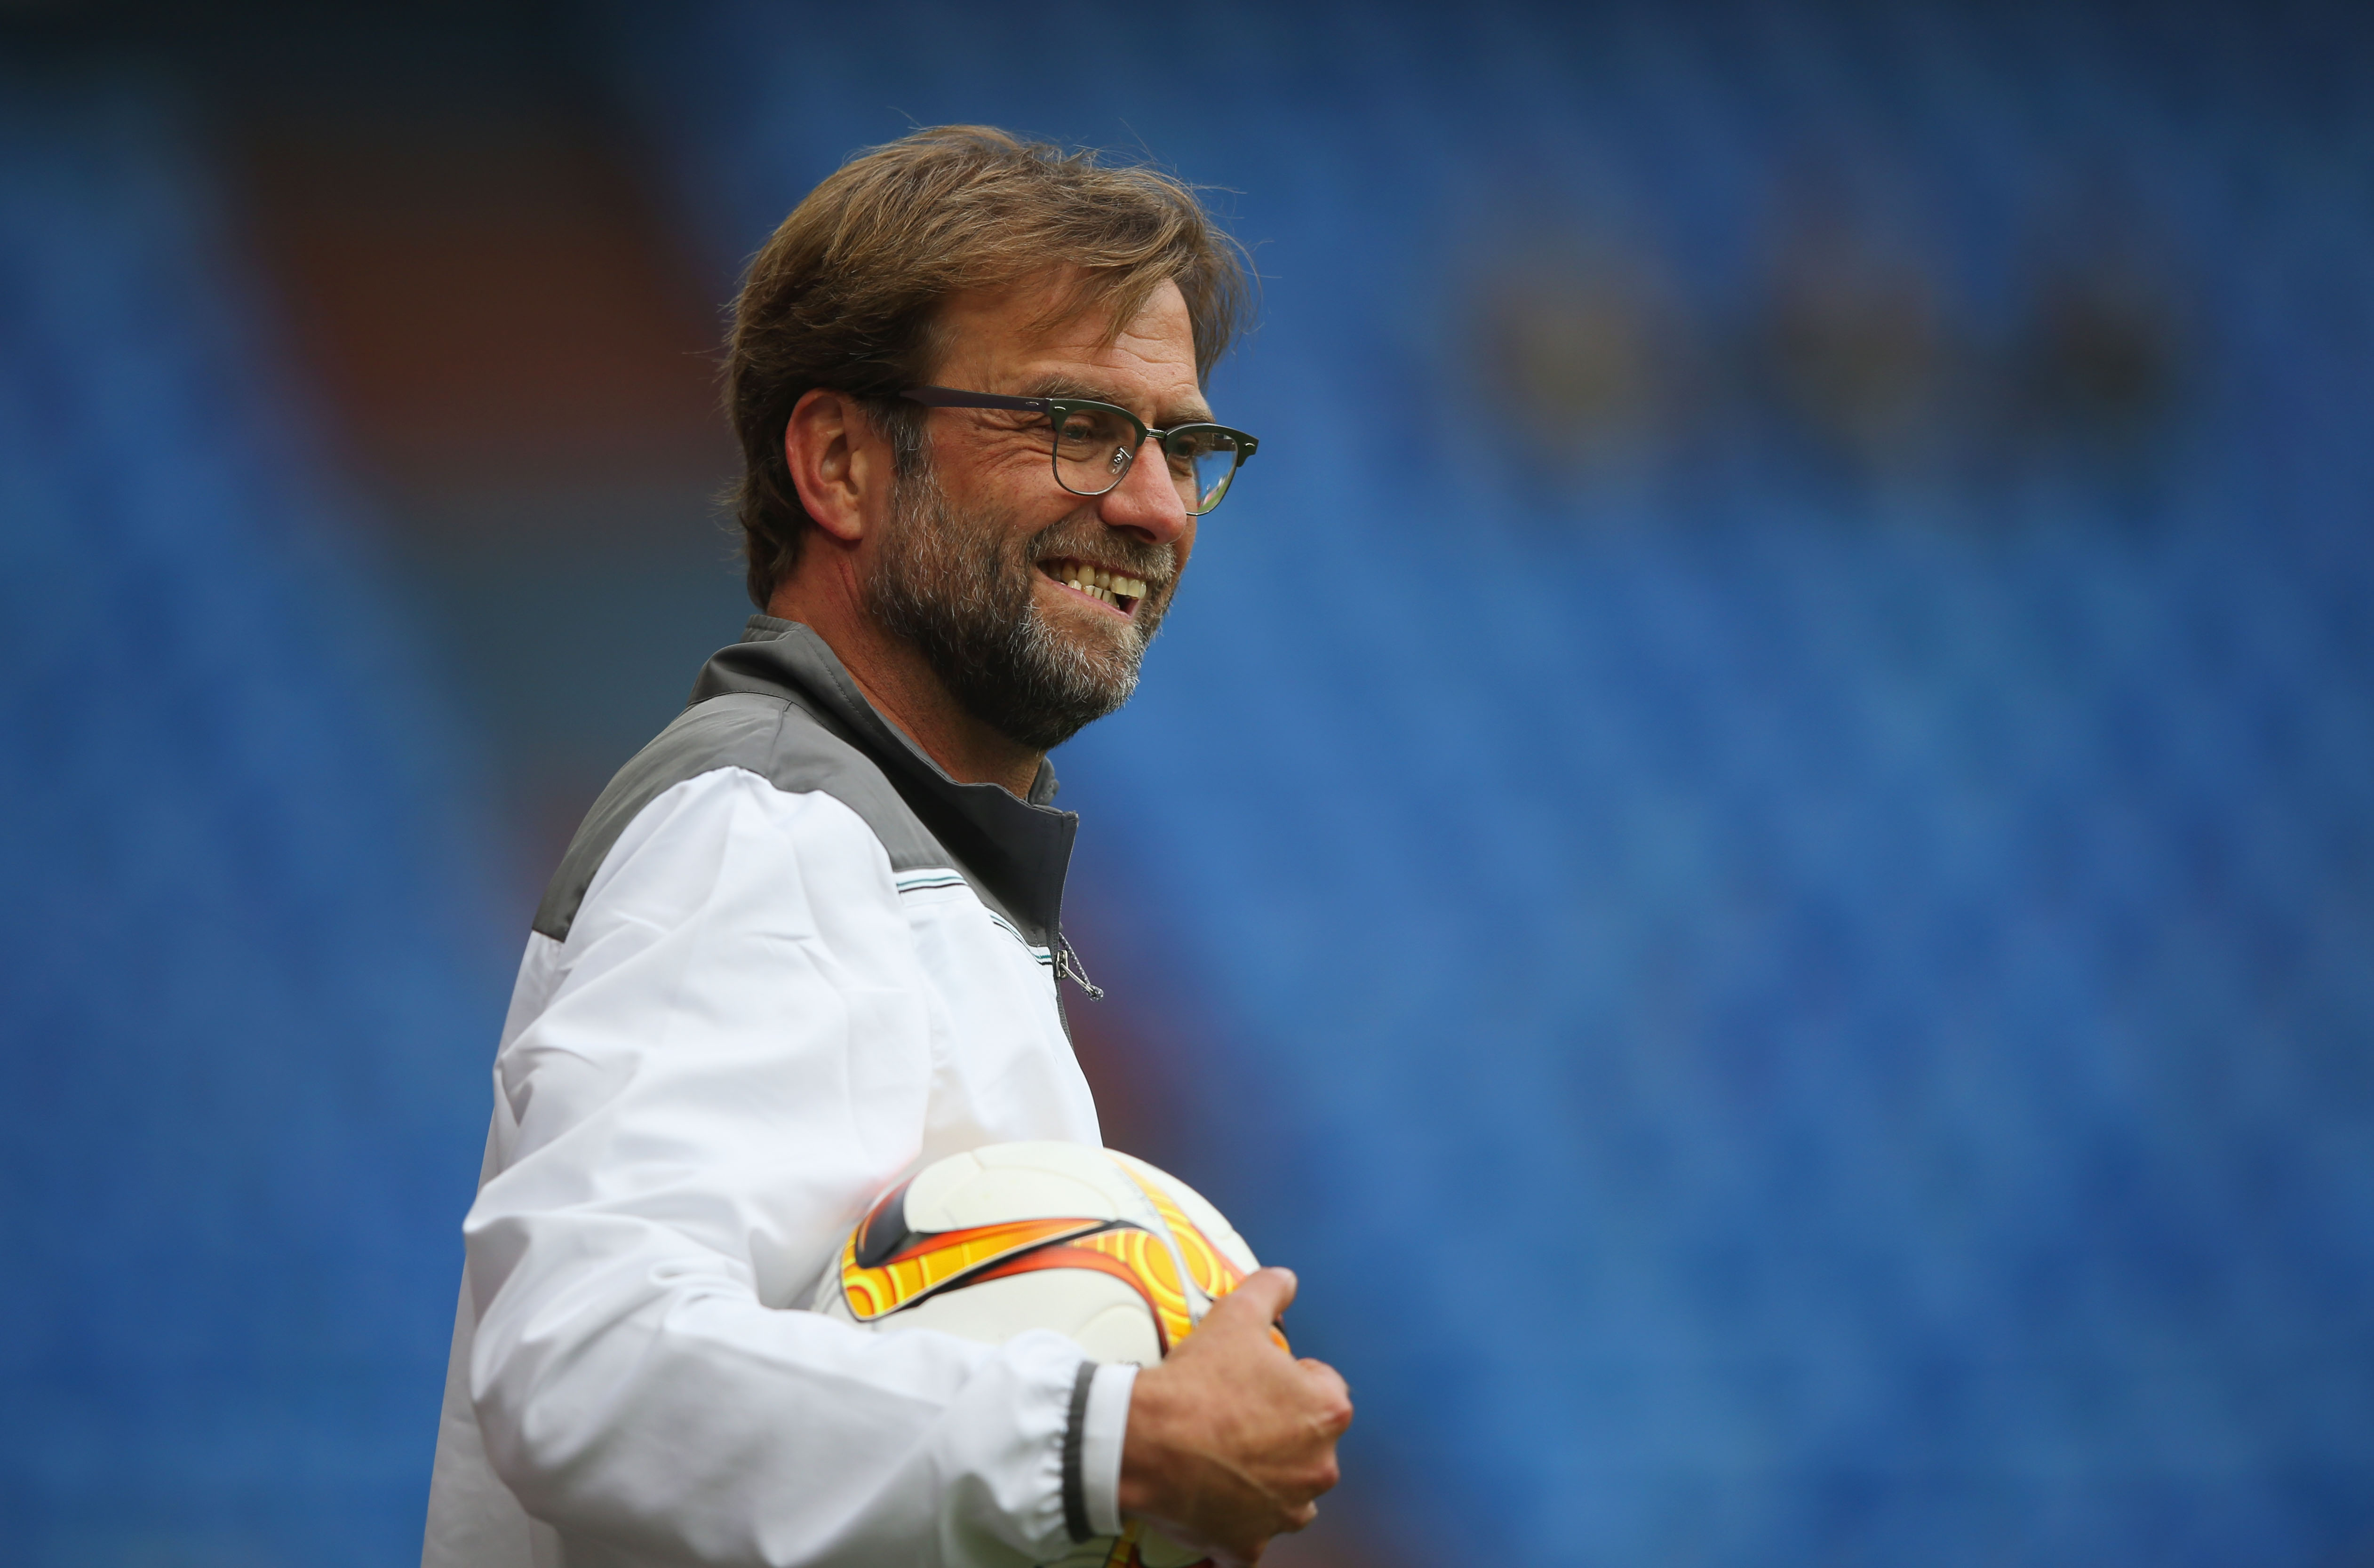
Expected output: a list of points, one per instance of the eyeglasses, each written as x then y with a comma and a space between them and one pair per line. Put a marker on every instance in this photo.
1095, 442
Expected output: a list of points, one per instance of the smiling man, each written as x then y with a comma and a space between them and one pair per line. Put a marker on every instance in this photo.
808, 940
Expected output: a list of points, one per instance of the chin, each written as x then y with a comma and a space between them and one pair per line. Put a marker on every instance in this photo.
1090, 629
1116, 647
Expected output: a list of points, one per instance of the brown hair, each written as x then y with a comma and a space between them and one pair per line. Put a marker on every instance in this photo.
847, 292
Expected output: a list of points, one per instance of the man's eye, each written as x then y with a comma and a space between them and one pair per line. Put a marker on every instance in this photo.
1077, 433
1186, 451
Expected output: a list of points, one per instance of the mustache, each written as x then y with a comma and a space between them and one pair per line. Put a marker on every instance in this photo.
1086, 539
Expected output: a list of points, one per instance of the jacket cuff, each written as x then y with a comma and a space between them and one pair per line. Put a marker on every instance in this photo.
1104, 1423
1098, 1421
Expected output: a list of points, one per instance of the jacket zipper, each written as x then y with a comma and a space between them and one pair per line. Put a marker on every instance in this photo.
1067, 965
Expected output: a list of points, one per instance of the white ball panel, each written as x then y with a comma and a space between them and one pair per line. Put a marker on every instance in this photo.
1020, 1181
996, 1195
1121, 1333
931, 1185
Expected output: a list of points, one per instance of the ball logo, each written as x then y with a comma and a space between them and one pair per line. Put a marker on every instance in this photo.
885, 1266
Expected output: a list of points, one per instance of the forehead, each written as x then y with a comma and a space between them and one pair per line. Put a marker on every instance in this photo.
1003, 340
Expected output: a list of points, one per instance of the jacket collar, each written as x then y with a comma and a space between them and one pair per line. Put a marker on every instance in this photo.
1014, 851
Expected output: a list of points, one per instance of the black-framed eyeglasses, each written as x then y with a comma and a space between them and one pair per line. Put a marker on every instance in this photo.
1095, 442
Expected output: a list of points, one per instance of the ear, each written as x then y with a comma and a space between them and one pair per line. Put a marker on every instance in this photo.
840, 465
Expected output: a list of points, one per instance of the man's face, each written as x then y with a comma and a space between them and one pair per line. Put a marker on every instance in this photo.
978, 552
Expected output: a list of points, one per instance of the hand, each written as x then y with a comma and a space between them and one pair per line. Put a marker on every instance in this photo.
1230, 1438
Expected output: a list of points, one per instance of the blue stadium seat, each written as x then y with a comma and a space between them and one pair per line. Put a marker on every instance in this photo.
247, 982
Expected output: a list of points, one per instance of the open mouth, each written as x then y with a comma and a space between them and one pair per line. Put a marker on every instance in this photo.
1119, 590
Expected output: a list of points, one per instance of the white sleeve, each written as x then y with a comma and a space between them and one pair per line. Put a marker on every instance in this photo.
735, 1058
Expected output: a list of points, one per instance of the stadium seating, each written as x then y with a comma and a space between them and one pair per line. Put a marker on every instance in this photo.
247, 964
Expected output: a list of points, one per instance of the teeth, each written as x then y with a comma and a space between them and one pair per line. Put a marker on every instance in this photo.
1110, 586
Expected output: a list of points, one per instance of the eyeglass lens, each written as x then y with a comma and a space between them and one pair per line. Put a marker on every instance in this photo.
1094, 447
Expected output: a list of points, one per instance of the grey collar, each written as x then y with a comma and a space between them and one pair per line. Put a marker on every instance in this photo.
1019, 849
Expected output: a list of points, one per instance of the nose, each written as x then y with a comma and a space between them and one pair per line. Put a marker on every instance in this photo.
1146, 502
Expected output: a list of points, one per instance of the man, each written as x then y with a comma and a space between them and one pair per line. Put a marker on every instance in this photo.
808, 938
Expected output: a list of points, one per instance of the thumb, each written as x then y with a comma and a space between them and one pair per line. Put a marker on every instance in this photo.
1262, 1299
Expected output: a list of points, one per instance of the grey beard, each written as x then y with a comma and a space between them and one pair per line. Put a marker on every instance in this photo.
961, 595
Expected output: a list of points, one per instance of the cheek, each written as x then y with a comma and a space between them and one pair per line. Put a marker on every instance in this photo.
995, 530
1013, 472
1013, 506
1184, 550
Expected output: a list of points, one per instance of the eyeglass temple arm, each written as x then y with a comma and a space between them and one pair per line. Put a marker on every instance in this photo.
949, 397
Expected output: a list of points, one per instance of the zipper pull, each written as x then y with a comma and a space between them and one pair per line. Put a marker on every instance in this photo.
1067, 965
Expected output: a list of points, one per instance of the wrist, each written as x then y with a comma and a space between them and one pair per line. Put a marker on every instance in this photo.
1144, 1446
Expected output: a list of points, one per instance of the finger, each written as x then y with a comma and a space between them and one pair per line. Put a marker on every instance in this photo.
1265, 1295
1245, 1554
1326, 1380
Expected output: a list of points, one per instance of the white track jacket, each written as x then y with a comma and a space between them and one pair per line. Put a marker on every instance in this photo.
786, 962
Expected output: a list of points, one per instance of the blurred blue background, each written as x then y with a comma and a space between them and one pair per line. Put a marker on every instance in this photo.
1753, 847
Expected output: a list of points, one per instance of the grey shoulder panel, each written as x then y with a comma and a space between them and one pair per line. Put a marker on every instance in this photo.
771, 737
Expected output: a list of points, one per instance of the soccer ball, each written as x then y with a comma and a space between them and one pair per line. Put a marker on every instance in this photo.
1096, 1245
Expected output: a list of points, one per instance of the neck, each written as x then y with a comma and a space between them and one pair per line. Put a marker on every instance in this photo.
901, 683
